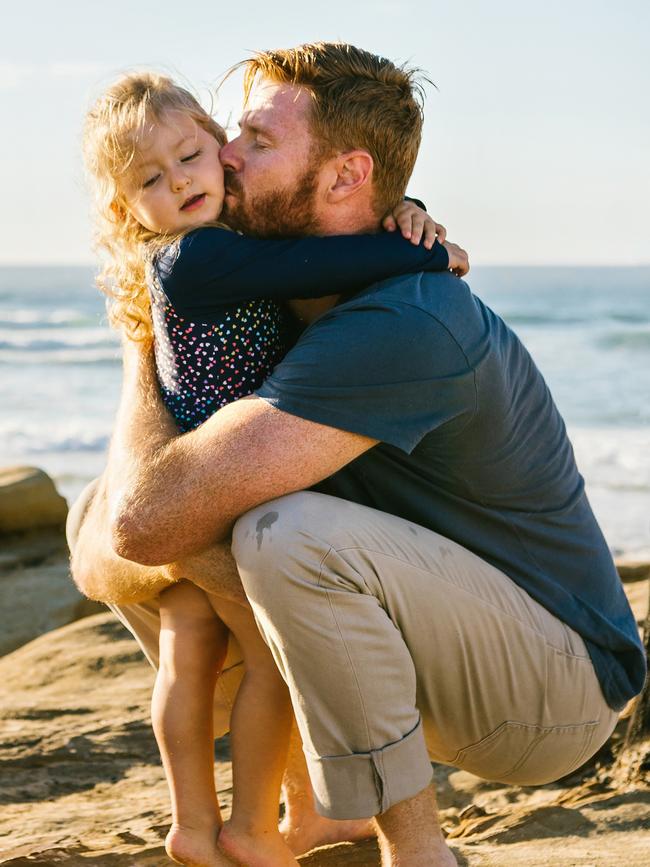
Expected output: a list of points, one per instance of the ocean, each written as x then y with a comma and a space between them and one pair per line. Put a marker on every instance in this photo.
588, 329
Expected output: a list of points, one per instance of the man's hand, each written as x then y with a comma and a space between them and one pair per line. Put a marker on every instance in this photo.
458, 259
414, 224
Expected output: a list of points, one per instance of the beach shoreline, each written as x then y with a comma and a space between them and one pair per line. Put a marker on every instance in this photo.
588, 330
86, 786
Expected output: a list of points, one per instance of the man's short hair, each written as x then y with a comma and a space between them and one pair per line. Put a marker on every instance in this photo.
360, 100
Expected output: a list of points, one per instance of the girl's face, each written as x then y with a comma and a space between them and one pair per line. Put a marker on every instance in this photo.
176, 181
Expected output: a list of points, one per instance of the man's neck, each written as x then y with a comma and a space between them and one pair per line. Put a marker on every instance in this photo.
311, 309
335, 221
343, 222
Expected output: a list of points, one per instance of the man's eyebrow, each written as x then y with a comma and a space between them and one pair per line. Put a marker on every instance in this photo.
251, 121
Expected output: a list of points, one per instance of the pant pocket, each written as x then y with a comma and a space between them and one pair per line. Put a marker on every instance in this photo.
528, 754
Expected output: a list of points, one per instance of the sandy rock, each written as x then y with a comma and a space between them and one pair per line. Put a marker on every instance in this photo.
81, 779
633, 569
36, 591
638, 595
82, 783
29, 501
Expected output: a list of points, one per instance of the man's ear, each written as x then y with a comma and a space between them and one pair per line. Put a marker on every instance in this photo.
353, 171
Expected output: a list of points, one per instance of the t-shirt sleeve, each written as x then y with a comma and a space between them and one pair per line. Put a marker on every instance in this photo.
389, 371
212, 266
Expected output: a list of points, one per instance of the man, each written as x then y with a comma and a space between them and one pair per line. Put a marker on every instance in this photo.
443, 592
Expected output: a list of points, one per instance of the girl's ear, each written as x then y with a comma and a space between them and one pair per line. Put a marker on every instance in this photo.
117, 210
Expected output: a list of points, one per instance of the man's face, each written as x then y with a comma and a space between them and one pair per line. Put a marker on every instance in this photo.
271, 169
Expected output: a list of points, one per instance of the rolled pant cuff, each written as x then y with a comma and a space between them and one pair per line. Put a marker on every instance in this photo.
361, 785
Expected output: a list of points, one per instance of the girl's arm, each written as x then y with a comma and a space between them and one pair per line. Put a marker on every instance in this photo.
215, 266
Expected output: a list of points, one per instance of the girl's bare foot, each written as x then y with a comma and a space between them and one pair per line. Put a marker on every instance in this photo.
303, 835
255, 850
194, 847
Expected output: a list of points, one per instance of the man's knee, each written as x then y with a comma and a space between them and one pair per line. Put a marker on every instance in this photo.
262, 532
266, 540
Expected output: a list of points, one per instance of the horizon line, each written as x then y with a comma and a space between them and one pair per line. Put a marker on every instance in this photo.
87, 264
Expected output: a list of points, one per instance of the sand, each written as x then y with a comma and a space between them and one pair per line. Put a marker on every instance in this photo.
80, 775
81, 781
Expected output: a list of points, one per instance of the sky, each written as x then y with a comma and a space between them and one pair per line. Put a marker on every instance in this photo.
537, 140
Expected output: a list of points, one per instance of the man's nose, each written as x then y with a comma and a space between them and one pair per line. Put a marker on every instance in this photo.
230, 155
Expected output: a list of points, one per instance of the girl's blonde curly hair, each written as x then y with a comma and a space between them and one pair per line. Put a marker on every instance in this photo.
113, 128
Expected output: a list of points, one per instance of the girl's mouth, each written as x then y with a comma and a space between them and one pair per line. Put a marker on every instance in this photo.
193, 202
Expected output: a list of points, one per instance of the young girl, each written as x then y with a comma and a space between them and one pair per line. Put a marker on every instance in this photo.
209, 298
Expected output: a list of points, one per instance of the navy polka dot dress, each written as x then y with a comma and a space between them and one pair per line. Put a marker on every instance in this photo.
202, 366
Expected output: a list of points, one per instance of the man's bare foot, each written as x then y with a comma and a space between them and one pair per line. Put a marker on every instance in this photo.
439, 855
313, 830
267, 850
195, 847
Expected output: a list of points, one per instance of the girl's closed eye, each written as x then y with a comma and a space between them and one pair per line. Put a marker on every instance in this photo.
191, 157
150, 181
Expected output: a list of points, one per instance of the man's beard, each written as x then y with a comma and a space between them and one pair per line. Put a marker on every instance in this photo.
276, 214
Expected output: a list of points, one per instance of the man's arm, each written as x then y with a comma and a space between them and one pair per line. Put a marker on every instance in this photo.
98, 571
170, 496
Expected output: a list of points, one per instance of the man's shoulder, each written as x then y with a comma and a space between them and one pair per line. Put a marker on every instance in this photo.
426, 303
424, 290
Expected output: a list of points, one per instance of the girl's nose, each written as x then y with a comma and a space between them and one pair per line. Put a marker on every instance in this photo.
179, 180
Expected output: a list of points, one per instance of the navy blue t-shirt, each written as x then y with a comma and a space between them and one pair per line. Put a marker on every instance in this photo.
219, 327
472, 446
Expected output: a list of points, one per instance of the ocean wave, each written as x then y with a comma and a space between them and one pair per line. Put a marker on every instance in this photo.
634, 318
617, 458
637, 340
87, 357
542, 319
559, 318
59, 338
30, 317
36, 441
27, 344
73, 444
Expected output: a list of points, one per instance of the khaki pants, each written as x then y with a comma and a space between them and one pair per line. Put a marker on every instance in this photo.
400, 648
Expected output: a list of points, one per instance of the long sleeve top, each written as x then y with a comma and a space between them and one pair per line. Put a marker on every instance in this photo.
219, 326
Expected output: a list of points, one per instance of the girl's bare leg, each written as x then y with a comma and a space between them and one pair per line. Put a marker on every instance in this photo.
259, 737
193, 643
302, 828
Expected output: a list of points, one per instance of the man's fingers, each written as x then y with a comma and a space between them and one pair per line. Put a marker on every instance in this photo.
458, 259
441, 232
389, 223
405, 222
417, 227
431, 232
